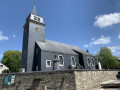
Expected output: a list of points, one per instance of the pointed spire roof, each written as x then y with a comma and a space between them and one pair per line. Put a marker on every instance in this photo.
34, 10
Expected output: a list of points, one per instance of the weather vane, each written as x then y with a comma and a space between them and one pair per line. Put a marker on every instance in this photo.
34, 2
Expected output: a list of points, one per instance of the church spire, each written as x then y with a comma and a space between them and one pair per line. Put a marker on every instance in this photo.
34, 9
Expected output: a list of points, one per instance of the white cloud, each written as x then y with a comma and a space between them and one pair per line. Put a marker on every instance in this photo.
114, 48
118, 36
107, 20
86, 45
14, 35
101, 40
2, 37
93, 38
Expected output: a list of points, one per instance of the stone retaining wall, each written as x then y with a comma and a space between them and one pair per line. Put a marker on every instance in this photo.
59, 80
86, 80
55, 80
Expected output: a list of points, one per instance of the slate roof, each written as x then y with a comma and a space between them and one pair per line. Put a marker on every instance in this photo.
53, 46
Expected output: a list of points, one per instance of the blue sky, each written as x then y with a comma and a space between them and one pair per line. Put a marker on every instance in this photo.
88, 24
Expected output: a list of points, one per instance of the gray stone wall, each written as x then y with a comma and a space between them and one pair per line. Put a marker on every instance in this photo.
86, 80
59, 80
55, 80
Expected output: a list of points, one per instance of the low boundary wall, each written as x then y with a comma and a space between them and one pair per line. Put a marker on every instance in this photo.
59, 80
86, 80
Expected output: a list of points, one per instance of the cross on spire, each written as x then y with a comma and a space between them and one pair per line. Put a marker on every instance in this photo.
34, 9
34, 2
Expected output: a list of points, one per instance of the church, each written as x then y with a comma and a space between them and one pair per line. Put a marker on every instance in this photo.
39, 54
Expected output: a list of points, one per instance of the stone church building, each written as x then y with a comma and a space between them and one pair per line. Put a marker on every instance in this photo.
39, 54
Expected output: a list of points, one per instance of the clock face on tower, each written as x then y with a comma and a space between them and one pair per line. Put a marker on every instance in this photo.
37, 29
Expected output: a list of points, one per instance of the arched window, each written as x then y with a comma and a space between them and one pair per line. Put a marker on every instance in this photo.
61, 60
73, 63
93, 61
48, 63
88, 61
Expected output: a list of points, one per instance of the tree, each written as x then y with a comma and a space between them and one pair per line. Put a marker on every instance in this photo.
108, 61
12, 59
6, 71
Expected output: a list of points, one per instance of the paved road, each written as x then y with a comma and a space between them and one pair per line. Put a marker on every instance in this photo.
99, 88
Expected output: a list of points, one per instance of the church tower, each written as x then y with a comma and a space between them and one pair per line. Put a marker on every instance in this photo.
34, 30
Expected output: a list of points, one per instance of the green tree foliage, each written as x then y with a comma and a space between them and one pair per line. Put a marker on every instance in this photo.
108, 61
12, 59
6, 71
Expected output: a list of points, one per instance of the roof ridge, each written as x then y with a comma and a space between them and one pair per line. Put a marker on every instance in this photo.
64, 44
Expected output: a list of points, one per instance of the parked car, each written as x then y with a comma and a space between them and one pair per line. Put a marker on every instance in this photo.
118, 75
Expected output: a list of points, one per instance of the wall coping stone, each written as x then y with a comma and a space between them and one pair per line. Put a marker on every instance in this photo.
56, 71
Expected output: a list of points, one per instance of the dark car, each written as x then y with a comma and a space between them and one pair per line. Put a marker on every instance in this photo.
118, 75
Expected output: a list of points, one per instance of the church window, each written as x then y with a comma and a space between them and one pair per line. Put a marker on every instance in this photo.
48, 63
93, 62
1, 66
35, 18
88, 61
61, 60
73, 63
39, 19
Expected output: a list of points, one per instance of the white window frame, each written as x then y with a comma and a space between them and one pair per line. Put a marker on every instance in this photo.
47, 64
93, 63
74, 61
1, 66
59, 60
89, 63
